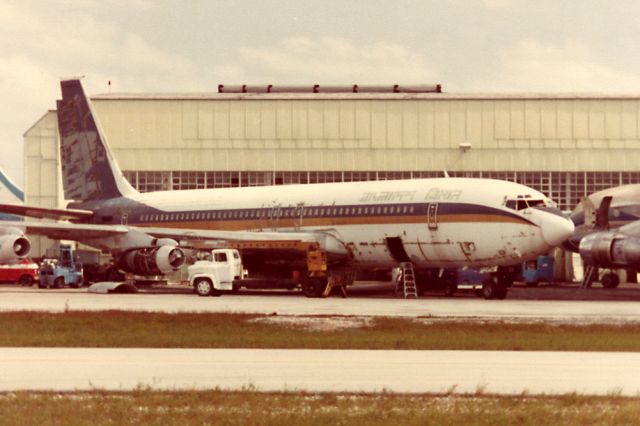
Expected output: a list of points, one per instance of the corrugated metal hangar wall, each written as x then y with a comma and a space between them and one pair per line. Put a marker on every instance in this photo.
565, 146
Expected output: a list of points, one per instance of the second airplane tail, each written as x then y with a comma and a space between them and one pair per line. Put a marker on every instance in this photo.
89, 169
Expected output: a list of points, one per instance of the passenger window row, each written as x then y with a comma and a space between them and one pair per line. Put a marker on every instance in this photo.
281, 213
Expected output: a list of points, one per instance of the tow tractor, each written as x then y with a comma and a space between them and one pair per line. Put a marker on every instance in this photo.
61, 272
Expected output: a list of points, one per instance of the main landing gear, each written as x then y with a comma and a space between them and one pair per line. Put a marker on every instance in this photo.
496, 284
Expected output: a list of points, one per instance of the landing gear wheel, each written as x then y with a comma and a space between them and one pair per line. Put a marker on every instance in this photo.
491, 290
314, 287
203, 287
610, 280
58, 282
502, 292
506, 275
26, 280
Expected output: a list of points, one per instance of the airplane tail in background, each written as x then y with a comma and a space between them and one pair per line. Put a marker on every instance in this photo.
89, 169
9, 194
9, 191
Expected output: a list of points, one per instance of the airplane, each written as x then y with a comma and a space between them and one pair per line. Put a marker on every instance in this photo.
607, 236
432, 223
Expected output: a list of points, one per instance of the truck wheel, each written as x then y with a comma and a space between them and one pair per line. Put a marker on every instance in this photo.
26, 280
313, 287
78, 283
610, 280
203, 287
58, 282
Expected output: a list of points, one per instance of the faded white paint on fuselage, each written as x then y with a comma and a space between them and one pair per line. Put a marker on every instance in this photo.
474, 242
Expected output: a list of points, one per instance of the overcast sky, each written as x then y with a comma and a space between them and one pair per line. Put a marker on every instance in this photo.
164, 46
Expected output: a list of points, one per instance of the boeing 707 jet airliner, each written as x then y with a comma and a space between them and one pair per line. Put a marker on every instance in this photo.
432, 223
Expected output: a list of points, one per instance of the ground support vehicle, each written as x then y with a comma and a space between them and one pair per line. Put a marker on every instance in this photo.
490, 284
538, 270
222, 270
25, 272
451, 281
61, 272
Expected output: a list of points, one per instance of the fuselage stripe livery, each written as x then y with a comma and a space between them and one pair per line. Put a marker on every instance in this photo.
286, 217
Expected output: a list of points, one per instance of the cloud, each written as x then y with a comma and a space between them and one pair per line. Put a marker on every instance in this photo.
41, 45
532, 66
328, 60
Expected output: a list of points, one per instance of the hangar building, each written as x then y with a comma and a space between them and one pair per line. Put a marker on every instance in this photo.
564, 145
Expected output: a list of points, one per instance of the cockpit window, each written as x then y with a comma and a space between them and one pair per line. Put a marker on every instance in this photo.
520, 203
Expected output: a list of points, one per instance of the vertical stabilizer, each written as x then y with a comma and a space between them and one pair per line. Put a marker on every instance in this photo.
9, 194
9, 191
89, 170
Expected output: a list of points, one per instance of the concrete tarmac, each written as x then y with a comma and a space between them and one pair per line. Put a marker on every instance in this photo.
17, 299
62, 369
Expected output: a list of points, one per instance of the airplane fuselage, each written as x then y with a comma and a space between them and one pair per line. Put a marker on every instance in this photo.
432, 222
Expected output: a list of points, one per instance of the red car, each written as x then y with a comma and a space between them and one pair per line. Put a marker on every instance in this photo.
25, 272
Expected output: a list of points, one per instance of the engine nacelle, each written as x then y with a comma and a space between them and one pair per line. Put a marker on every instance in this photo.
157, 260
13, 247
610, 249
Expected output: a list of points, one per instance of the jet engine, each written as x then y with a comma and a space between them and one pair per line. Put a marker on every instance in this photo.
610, 249
13, 247
155, 260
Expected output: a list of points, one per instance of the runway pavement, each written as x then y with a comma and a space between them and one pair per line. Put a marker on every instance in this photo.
321, 370
18, 299
63, 369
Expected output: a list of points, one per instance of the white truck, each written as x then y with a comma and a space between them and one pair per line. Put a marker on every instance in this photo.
222, 271
211, 276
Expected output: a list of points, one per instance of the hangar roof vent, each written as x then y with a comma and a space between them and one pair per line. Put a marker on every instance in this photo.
316, 88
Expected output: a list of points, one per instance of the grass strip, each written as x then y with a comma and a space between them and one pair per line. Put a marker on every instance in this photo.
247, 407
159, 330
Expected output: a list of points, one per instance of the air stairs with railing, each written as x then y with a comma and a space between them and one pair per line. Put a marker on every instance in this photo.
406, 286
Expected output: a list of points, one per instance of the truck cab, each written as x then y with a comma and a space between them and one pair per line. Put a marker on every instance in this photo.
215, 272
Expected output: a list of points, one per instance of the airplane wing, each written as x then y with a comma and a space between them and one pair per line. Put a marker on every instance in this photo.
212, 236
45, 213
254, 240
187, 238
66, 231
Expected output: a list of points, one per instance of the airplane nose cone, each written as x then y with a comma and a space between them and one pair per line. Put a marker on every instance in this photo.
556, 229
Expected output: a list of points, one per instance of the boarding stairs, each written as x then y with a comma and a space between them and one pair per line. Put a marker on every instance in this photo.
406, 286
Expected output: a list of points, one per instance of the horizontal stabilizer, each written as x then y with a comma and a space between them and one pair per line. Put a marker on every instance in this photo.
45, 213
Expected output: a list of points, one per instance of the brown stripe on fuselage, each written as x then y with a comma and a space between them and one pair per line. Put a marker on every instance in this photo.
239, 225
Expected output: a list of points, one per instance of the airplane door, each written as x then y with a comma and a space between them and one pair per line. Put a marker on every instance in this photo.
432, 216
274, 216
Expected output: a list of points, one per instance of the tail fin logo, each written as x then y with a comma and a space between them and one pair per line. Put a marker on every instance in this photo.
88, 169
